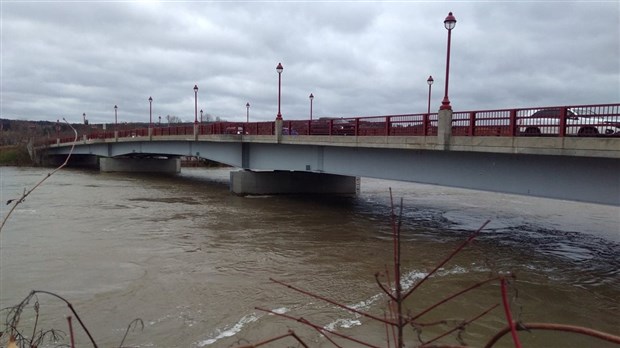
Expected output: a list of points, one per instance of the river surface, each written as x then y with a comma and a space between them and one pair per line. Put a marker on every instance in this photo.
193, 261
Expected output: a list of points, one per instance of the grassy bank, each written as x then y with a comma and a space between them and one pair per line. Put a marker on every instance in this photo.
14, 156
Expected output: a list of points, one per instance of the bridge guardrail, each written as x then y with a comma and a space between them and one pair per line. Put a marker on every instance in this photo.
555, 121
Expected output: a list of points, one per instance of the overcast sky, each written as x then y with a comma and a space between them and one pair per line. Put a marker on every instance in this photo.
64, 58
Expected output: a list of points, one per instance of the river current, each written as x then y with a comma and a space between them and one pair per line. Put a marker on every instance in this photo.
193, 261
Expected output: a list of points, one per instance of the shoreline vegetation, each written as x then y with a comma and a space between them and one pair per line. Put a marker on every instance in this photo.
15, 156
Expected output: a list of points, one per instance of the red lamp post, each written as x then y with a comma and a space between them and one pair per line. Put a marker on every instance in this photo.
195, 104
430, 83
279, 69
247, 112
150, 112
449, 23
311, 99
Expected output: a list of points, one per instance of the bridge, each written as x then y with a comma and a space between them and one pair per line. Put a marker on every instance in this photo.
562, 152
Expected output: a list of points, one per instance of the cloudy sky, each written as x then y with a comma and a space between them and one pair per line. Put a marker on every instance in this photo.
64, 58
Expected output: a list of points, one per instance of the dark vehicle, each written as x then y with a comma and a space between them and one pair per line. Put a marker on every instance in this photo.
326, 126
234, 130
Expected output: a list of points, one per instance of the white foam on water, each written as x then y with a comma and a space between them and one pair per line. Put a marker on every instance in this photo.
231, 331
228, 332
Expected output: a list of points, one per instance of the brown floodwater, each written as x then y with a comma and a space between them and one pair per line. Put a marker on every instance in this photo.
193, 261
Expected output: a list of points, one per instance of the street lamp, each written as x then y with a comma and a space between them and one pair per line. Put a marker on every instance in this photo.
115, 117
150, 112
430, 83
311, 99
279, 69
449, 23
200, 115
247, 112
85, 120
195, 104
160, 120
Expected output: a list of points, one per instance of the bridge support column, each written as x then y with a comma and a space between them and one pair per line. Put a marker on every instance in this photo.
140, 165
287, 182
444, 129
278, 130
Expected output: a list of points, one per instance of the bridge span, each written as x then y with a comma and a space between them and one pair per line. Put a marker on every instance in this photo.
284, 156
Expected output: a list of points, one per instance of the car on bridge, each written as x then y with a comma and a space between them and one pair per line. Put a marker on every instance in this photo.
333, 126
579, 121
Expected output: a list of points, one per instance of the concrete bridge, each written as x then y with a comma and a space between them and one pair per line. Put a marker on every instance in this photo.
482, 150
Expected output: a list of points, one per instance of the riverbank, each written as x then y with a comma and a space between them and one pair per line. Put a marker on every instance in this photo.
15, 155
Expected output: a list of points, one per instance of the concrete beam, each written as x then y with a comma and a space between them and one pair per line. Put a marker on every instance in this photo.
140, 165
291, 182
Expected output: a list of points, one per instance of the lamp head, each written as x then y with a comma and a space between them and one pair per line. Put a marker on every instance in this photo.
449, 22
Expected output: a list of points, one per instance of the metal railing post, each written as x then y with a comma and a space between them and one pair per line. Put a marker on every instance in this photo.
512, 123
563, 114
472, 124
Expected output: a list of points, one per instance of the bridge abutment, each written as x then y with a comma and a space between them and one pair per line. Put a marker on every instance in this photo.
292, 182
136, 165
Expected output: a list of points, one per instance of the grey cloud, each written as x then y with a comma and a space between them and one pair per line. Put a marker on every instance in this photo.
63, 59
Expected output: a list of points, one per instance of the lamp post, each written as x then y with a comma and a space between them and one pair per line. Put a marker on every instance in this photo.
279, 69
195, 104
430, 83
115, 117
247, 112
449, 23
160, 120
57, 128
150, 112
200, 115
311, 99
84, 117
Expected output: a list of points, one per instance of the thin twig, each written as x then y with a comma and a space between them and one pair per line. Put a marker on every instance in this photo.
133, 323
72, 311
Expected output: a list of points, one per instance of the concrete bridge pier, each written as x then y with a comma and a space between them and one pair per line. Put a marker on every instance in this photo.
247, 182
140, 165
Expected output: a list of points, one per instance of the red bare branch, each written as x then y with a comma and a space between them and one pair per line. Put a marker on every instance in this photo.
333, 302
465, 323
555, 327
385, 290
320, 328
290, 333
511, 323
71, 332
448, 258
475, 286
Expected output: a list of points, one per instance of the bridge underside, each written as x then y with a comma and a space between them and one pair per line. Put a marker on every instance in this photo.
588, 179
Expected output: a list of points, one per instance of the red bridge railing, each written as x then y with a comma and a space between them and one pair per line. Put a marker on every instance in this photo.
601, 120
